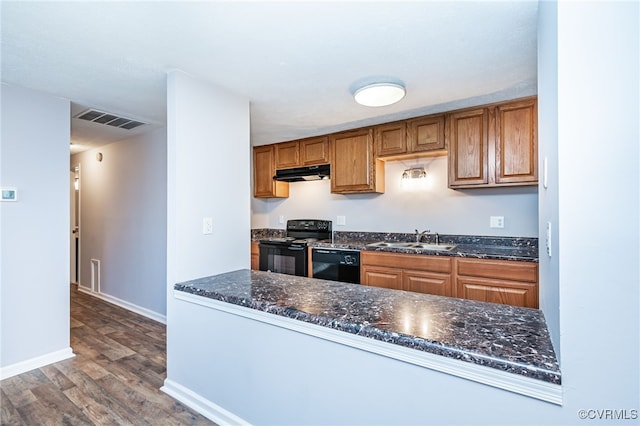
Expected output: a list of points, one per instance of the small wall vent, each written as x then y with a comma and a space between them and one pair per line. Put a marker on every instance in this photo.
100, 117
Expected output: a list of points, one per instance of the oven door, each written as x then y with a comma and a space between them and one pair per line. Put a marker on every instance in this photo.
284, 259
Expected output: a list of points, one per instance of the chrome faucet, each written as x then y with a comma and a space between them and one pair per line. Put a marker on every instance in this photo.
419, 234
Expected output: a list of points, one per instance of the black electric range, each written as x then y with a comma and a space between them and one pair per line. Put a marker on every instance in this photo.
289, 254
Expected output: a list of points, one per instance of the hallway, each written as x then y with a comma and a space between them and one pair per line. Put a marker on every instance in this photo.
114, 379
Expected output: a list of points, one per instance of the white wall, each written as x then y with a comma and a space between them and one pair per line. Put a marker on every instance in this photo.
34, 231
124, 221
208, 176
443, 210
548, 151
599, 203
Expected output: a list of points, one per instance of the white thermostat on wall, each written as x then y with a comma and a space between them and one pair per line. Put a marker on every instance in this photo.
9, 194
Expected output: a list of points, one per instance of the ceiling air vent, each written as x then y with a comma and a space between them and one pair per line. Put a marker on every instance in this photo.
108, 119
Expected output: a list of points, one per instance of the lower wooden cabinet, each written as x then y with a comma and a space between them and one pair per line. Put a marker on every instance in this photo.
410, 272
255, 255
498, 281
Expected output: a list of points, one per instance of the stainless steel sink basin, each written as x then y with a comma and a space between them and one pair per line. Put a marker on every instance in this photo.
414, 246
437, 247
391, 245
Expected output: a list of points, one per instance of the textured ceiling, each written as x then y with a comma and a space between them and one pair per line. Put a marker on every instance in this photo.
297, 62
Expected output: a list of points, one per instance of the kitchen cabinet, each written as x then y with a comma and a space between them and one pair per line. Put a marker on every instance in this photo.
418, 137
304, 152
498, 281
494, 145
390, 139
516, 143
468, 143
354, 167
410, 272
264, 168
255, 255
426, 133
509, 282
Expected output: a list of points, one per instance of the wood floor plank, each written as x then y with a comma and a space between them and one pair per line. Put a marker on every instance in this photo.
56, 377
114, 379
8, 412
56, 404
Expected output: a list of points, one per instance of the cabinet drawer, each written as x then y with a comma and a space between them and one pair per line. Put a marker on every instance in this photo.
498, 269
513, 293
417, 262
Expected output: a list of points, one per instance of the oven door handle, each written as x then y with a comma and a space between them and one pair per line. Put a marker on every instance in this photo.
296, 248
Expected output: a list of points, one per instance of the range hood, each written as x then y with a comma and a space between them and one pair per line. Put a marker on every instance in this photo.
300, 174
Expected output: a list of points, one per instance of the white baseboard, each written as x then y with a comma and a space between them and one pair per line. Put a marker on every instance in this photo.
126, 305
210, 410
33, 363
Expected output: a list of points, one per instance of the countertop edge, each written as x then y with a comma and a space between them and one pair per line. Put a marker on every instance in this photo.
517, 383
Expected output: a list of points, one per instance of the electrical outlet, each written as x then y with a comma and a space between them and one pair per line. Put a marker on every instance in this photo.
496, 221
207, 225
281, 220
341, 220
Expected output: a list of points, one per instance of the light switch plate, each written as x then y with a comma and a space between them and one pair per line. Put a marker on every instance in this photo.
341, 220
207, 225
548, 239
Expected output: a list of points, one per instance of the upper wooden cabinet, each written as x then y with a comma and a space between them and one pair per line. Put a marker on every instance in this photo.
426, 133
354, 168
468, 142
287, 154
305, 152
264, 168
390, 139
516, 142
496, 145
411, 138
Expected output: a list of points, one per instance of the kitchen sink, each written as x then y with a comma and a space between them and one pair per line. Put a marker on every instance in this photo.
392, 245
415, 246
427, 246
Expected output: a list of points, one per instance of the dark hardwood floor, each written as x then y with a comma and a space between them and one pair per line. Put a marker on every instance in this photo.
114, 379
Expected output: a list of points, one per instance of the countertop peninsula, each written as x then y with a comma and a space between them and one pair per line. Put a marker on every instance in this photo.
507, 338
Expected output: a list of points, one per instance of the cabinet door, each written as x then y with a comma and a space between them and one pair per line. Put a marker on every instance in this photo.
467, 142
517, 142
287, 155
255, 255
314, 151
381, 277
390, 139
426, 134
427, 282
496, 291
264, 168
353, 167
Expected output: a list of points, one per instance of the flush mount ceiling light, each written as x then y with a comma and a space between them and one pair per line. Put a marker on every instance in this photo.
379, 94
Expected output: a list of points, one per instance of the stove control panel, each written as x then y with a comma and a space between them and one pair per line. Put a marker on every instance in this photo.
309, 225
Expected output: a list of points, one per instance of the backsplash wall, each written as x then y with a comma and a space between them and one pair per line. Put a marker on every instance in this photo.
436, 207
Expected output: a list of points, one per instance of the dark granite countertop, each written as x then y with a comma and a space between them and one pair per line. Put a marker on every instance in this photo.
507, 338
479, 247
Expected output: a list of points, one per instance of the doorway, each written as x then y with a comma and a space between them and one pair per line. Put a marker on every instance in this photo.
74, 225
